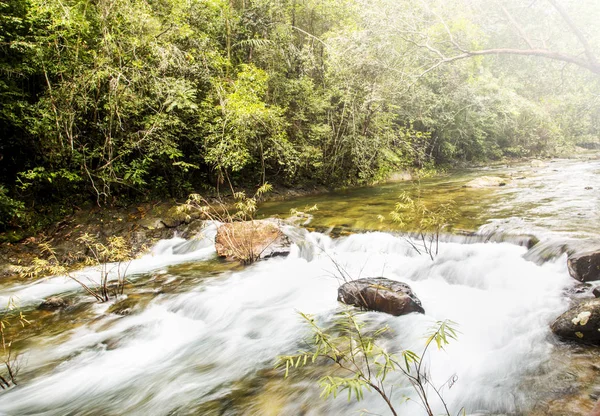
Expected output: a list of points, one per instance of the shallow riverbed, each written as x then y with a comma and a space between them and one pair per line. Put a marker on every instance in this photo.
195, 335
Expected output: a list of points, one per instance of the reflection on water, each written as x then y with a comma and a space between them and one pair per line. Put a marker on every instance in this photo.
562, 199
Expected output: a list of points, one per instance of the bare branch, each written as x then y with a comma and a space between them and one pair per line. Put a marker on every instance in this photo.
586, 46
518, 27
543, 53
590, 62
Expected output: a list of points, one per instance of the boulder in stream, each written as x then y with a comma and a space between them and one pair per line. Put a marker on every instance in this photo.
596, 292
580, 323
486, 182
251, 240
53, 303
585, 267
596, 410
381, 295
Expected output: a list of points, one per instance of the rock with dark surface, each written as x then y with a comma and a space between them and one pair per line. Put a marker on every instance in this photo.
580, 323
578, 290
486, 182
380, 294
251, 240
585, 267
53, 303
596, 292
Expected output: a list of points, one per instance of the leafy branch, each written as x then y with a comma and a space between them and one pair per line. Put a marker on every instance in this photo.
366, 365
10, 316
429, 222
101, 255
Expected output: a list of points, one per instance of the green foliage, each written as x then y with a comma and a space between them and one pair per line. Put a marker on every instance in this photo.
11, 321
365, 365
241, 128
132, 99
10, 209
413, 211
220, 210
428, 222
112, 257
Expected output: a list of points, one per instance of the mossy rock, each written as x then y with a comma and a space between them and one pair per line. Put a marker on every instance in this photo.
486, 182
128, 305
580, 323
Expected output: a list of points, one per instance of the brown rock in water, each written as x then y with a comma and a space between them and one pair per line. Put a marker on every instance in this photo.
53, 303
580, 323
380, 294
596, 292
486, 182
585, 267
251, 240
596, 410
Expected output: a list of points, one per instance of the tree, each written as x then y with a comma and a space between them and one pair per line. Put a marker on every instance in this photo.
241, 128
445, 36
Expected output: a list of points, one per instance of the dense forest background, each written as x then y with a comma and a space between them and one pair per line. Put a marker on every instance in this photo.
117, 100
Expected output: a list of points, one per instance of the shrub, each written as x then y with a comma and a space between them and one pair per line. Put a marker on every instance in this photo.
10, 209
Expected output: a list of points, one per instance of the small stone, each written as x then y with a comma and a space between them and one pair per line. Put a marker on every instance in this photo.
579, 290
124, 312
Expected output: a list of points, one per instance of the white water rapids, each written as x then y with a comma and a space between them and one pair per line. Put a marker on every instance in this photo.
191, 347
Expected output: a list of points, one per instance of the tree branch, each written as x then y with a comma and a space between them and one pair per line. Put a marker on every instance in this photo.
590, 62
517, 27
586, 46
543, 53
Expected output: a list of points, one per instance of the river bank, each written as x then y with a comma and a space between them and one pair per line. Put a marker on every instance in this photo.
143, 224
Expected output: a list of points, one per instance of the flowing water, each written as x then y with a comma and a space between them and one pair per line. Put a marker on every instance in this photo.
195, 335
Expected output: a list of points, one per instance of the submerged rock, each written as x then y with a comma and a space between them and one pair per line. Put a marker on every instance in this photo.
596, 410
380, 294
53, 303
580, 323
486, 182
251, 240
579, 290
585, 267
176, 216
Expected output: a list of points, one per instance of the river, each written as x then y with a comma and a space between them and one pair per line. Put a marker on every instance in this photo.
200, 336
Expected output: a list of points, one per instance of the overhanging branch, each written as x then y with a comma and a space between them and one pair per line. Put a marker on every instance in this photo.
591, 57
589, 62
543, 53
